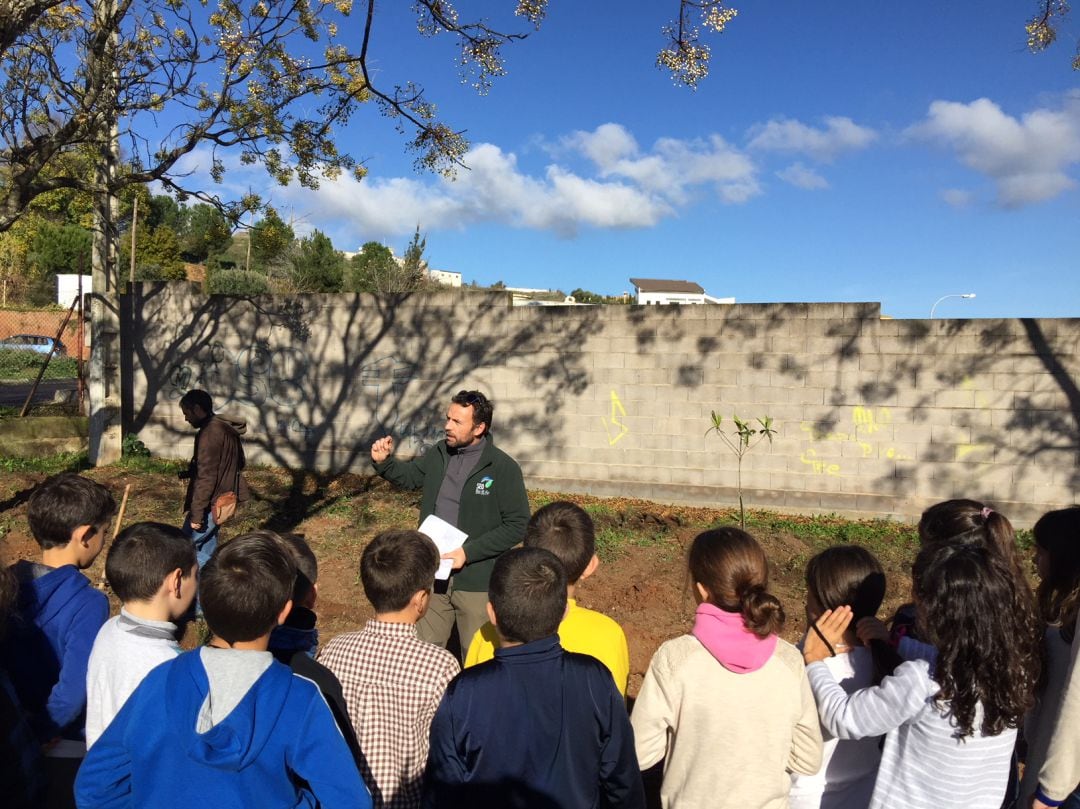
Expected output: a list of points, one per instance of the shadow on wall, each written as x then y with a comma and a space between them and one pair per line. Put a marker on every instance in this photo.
318, 378
993, 405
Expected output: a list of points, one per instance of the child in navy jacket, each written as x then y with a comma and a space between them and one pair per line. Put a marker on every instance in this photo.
227, 725
537, 727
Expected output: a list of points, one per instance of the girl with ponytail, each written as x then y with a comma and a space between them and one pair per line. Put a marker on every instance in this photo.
838, 576
728, 706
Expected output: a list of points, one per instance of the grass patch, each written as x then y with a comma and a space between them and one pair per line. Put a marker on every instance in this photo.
48, 464
24, 365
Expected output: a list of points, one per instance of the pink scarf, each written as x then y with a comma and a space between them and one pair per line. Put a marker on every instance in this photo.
728, 640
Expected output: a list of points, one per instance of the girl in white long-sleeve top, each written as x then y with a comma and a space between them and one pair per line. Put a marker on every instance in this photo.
728, 706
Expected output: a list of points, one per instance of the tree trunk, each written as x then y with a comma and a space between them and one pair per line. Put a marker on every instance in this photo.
104, 381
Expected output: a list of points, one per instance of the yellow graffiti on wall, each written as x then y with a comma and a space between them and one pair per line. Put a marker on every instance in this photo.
617, 412
865, 421
818, 467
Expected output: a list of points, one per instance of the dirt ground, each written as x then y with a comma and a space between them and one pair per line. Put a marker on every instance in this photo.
641, 583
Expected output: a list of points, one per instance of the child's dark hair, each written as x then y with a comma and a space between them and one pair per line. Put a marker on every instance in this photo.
528, 594
566, 530
143, 555
1058, 594
986, 636
851, 575
483, 407
307, 565
64, 502
846, 574
969, 521
395, 566
245, 586
731, 566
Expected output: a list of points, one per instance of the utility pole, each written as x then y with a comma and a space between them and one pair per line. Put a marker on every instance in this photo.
104, 382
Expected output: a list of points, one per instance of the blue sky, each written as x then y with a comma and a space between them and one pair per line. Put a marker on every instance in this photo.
837, 152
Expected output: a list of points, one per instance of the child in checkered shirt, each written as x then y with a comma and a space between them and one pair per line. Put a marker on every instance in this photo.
392, 680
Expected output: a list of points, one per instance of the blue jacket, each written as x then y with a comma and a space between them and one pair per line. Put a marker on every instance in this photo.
535, 728
48, 643
278, 748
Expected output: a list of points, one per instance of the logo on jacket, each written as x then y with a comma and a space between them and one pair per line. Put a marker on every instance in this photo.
484, 486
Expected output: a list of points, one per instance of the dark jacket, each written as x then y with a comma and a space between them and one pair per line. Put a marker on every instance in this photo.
215, 466
494, 508
535, 728
47, 647
294, 643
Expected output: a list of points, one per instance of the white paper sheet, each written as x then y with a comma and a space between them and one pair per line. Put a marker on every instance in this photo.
446, 538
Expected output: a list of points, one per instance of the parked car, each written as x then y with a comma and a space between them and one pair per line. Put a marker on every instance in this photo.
37, 343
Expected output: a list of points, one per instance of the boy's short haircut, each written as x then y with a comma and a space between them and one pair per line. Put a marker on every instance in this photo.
143, 555
395, 566
64, 502
566, 530
528, 593
198, 398
245, 586
307, 566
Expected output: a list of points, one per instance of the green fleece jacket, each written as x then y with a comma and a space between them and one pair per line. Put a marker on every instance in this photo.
494, 508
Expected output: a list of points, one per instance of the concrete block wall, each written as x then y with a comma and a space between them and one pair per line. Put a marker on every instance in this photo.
872, 416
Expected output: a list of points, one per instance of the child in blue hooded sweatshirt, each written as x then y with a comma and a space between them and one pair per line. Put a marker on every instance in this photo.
728, 706
58, 614
227, 725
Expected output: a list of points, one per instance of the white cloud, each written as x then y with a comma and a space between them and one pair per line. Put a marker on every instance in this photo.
839, 135
957, 197
803, 177
1027, 158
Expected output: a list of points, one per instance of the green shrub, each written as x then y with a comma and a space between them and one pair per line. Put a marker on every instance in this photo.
238, 283
17, 364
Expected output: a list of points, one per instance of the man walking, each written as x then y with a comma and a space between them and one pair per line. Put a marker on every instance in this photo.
214, 469
471, 484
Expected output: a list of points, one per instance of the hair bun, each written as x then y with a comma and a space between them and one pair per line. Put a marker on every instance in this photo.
762, 612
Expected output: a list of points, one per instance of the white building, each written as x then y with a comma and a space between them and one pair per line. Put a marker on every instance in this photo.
445, 277
658, 291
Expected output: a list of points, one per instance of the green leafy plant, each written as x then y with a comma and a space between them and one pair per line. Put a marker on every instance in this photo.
740, 441
133, 447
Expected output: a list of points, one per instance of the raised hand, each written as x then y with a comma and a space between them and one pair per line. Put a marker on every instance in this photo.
382, 449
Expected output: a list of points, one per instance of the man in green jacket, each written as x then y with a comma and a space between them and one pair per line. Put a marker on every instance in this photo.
469, 483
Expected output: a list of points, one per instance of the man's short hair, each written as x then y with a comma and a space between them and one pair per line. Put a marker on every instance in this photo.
307, 566
528, 594
143, 555
245, 586
64, 502
482, 406
395, 566
566, 530
199, 398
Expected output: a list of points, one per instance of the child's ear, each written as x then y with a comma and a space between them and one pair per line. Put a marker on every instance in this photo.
491, 614
419, 602
285, 612
83, 534
590, 568
175, 582
702, 592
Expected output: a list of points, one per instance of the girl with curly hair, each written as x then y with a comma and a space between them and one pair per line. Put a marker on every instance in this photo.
950, 717
728, 706
1053, 759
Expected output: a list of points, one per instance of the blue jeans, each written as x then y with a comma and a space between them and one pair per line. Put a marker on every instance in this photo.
205, 540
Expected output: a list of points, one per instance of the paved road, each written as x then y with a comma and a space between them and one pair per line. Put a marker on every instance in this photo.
14, 394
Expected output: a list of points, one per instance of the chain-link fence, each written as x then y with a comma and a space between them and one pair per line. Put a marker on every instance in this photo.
42, 356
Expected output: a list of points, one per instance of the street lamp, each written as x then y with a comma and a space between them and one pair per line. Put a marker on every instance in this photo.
953, 295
